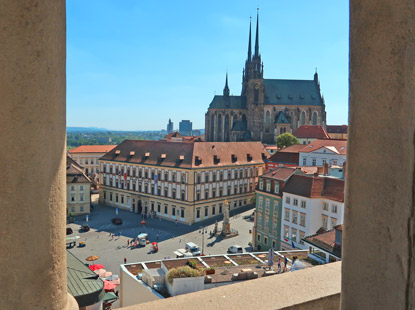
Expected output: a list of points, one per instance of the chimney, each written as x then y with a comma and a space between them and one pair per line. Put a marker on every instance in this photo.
326, 169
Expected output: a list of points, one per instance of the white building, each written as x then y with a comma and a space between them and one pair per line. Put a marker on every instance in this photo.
310, 203
87, 156
319, 152
78, 189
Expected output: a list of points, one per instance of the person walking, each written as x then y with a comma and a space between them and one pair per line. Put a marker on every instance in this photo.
157, 237
176, 221
279, 265
125, 260
285, 263
128, 243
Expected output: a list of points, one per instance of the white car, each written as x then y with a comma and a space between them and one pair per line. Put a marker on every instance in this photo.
235, 249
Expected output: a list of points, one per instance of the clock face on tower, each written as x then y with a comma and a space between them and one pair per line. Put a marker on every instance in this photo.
256, 86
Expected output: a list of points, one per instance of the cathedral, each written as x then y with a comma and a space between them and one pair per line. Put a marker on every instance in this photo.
266, 108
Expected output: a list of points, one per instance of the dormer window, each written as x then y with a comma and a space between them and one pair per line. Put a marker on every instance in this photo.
181, 157
117, 152
147, 154
132, 153
216, 160
234, 158
198, 161
163, 156
248, 157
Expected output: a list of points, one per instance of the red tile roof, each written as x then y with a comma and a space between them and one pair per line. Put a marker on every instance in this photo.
316, 187
288, 155
337, 128
338, 146
325, 241
92, 149
188, 154
307, 131
74, 172
280, 173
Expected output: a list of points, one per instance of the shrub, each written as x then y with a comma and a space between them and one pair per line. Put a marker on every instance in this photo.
192, 263
182, 272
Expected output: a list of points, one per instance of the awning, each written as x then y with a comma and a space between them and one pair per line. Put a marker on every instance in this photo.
110, 296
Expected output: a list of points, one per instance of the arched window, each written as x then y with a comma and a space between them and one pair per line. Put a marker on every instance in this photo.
267, 118
212, 128
302, 118
220, 127
315, 118
281, 131
227, 129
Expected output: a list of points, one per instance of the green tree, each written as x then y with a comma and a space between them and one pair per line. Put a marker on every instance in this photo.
286, 139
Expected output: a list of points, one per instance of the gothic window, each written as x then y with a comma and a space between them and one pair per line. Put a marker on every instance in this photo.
212, 128
315, 118
302, 118
267, 118
219, 127
256, 96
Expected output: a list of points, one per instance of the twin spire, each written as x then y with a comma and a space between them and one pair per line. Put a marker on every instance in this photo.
256, 54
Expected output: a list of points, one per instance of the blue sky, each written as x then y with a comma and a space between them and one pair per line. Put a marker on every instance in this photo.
133, 64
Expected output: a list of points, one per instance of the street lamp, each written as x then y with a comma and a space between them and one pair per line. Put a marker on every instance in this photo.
203, 232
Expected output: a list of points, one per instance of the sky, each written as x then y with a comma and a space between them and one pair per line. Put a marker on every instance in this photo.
133, 64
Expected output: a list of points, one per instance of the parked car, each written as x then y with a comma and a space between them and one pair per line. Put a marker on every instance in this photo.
235, 249
192, 248
85, 228
69, 230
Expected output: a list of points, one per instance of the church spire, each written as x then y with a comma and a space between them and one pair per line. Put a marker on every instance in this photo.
226, 89
257, 35
249, 43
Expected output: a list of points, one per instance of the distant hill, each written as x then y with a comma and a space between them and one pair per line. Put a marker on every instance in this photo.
84, 129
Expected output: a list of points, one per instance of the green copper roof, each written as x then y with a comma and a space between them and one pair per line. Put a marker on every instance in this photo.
281, 118
83, 284
292, 92
228, 102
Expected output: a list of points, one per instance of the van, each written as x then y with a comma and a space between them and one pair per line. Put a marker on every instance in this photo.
192, 248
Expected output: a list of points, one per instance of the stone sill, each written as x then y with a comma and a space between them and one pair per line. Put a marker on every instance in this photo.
313, 288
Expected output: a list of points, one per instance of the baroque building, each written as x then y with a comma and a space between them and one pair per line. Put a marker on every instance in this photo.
266, 108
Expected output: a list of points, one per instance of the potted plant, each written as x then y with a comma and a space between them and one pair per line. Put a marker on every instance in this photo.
210, 270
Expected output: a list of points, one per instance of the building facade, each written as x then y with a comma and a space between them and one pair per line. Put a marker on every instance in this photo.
185, 128
337, 131
267, 224
308, 204
306, 134
78, 189
87, 156
184, 182
170, 127
326, 247
320, 152
266, 108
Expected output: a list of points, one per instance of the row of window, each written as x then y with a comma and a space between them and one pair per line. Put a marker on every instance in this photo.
241, 189
294, 217
267, 204
267, 222
231, 174
333, 207
268, 186
265, 241
295, 202
293, 235
326, 220
146, 173
323, 161
81, 188
73, 209
88, 161
73, 197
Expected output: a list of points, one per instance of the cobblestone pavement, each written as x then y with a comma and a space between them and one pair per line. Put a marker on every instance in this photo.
171, 236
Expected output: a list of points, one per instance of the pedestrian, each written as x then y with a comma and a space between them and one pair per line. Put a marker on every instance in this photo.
157, 237
176, 221
285, 262
279, 264
128, 243
125, 260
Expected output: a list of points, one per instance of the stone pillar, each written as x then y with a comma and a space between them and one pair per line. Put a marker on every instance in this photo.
33, 155
378, 269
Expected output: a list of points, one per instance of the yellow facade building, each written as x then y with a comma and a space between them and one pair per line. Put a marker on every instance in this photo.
184, 182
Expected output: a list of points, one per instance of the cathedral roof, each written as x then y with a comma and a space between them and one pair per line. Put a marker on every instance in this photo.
228, 102
292, 92
281, 118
